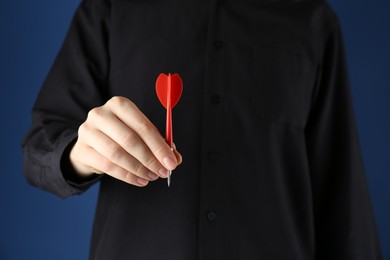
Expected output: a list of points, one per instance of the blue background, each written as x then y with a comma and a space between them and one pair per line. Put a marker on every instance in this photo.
38, 225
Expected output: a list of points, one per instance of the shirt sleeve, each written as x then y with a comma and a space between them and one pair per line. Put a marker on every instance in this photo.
344, 222
76, 83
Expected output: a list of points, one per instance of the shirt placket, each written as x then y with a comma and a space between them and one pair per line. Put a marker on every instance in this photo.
210, 205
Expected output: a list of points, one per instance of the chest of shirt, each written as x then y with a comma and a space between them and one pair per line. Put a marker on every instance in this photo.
258, 56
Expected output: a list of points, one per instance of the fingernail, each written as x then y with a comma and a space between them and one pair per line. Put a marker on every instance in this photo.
169, 163
142, 181
163, 172
152, 176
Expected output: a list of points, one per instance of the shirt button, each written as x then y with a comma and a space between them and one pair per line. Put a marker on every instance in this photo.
211, 215
218, 45
213, 156
215, 99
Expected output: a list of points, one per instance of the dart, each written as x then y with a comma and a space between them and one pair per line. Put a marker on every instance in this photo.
169, 88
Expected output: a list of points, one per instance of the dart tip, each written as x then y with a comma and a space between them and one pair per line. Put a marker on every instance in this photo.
169, 178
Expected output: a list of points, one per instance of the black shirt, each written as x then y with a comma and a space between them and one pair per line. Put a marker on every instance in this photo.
271, 168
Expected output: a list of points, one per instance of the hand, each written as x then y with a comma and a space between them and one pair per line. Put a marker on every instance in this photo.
119, 140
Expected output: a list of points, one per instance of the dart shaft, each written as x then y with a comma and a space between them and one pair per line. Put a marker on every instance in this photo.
169, 135
169, 139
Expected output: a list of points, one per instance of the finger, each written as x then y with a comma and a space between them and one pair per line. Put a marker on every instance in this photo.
81, 159
114, 153
130, 142
99, 164
178, 156
130, 115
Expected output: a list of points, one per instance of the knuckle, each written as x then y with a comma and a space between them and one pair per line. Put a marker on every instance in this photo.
150, 162
114, 152
144, 127
130, 139
83, 128
119, 101
139, 169
94, 113
107, 165
114, 100
131, 179
161, 150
